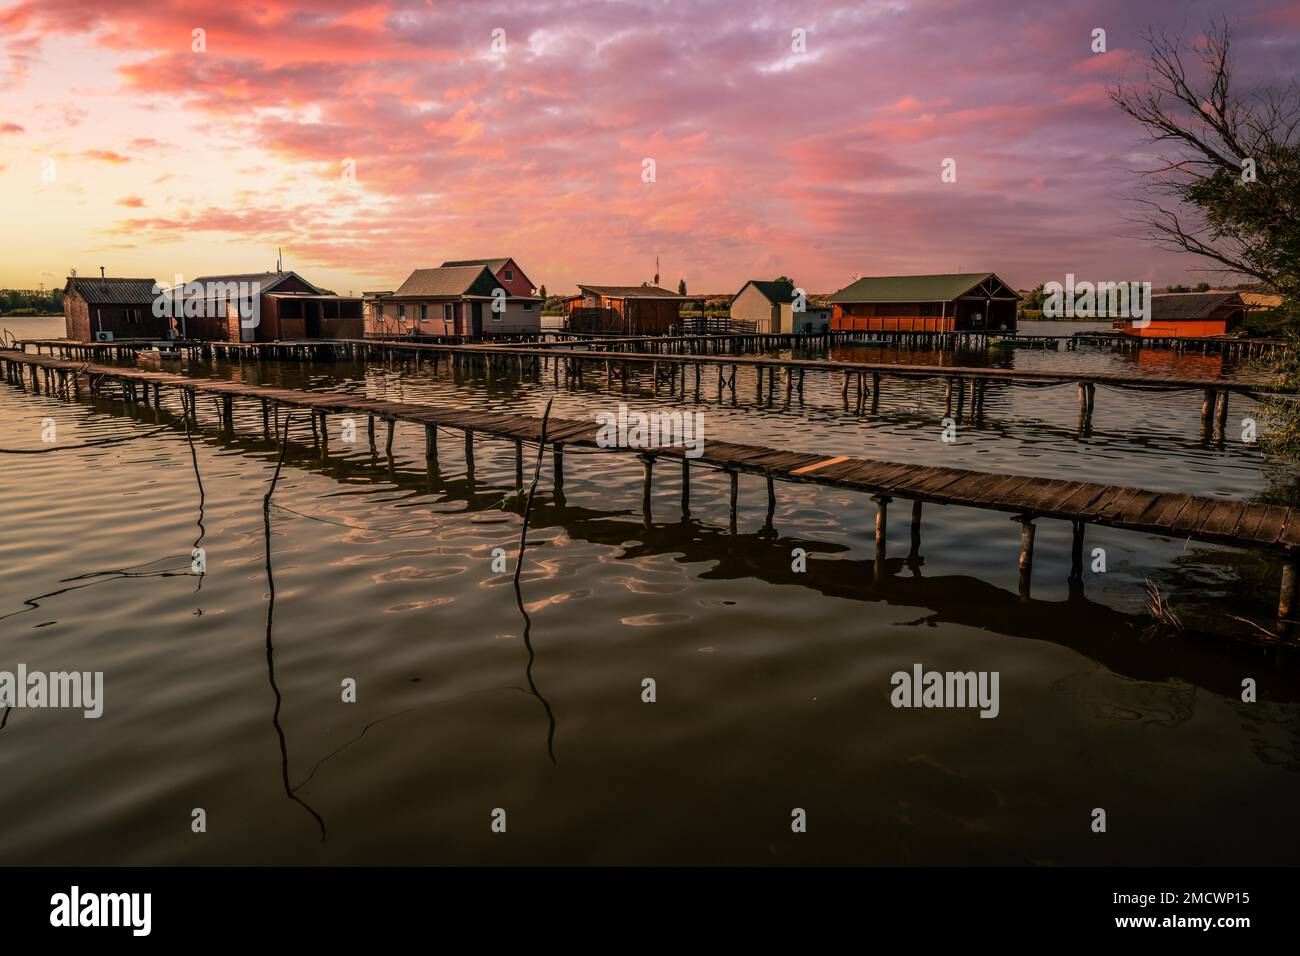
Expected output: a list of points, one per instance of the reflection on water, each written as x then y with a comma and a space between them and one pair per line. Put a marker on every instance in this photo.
270, 619
772, 684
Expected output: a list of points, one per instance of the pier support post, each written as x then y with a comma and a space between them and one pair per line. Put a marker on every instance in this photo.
1075, 581
914, 554
388, 444
370, 431
228, 412
324, 436
771, 500
735, 487
1026, 553
519, 463
557, 455
1076, 551
882, 519
469, 455
430, 442
1207, 411
1221, 419
1286, 601
647, 479
266, 418
686, 487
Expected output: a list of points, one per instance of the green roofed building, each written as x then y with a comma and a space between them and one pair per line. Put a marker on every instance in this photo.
961, 302
769, 307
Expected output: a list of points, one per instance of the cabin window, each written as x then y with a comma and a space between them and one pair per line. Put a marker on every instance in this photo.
379, 310
528, 307
424, 313
446, 312
508, 275
133, 316
401, 311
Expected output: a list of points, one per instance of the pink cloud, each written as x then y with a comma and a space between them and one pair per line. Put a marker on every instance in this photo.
105, 156
828, 166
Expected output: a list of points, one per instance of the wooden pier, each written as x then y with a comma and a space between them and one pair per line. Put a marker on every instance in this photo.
1264, 527
670, 360
668, 365
733, 343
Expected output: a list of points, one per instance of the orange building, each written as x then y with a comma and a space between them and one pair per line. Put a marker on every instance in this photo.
969, 301
1184, 314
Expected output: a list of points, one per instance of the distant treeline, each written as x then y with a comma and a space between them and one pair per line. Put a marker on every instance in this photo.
31, 302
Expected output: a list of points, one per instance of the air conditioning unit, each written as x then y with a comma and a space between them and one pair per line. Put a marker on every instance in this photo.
103, 336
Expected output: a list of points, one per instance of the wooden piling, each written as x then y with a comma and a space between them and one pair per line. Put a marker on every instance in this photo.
882, 518
647, 479
735, 487
1286, 602
1076, 550
1026, 553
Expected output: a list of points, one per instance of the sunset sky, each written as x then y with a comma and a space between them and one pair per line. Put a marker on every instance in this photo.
823, 165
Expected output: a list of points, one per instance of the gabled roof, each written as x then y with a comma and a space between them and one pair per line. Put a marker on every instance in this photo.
931, 288
266, 281
632, 292
109, 291
1184, 306
447, 282
495, 265
772, 290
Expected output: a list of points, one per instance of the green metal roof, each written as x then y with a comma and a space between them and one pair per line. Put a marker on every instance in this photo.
936, 288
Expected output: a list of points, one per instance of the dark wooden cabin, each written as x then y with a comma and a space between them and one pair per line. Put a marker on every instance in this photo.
624, 309
122, 308
289, 307
962, 302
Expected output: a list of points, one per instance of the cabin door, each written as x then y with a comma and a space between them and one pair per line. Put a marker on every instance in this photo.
476, 318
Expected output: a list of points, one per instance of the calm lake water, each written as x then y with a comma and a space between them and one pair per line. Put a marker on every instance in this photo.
772, 686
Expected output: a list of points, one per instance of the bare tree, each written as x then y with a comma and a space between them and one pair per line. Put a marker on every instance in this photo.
1227, 187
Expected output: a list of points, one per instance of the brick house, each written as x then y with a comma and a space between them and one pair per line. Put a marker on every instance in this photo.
122, 308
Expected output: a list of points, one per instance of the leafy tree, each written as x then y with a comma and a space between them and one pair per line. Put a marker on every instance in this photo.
1227, 187
1033, 300
681, 286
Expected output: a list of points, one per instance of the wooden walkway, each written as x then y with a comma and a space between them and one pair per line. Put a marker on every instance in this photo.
859, 382
1266, 527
